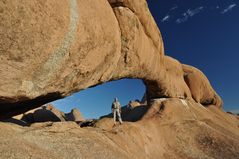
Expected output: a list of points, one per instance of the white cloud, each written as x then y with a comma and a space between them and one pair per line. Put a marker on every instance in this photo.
183, 19
189, 13
229, 8
173, 8
195, 11
166, 18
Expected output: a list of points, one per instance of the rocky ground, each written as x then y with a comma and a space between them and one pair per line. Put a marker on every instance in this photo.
170, 128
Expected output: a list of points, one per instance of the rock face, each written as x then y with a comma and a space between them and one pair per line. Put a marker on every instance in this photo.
171, 129
51, 49
133, 104
200, 87
74, 115
48, 113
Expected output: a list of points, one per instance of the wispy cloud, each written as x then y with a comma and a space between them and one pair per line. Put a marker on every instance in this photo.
166, 18
182, 19
189, 13
195, 11
173, 8
229, 8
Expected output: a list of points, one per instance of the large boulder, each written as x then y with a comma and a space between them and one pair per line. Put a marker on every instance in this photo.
48, 113
74, 115
200, 87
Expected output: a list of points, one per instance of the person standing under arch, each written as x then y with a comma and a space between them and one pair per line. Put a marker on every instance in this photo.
116, 110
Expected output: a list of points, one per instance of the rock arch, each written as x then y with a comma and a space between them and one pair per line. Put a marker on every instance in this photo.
51, 49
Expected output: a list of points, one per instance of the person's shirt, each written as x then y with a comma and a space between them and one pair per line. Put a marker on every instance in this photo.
116, 105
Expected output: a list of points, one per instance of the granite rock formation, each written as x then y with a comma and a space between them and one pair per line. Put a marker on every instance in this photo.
171, 128
74, 115
51, 49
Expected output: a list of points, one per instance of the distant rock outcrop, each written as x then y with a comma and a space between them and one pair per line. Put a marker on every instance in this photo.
49, 113
133, 104
74, 115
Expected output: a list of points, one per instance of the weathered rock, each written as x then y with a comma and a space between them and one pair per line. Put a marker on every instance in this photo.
144, 99
174, 128
200, 87
88, 123
51, 49
55, 62
138, 7
74, 115
48, 113
28, 116
133, 104
172, 79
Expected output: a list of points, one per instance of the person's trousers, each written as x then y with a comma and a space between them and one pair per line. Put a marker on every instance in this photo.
117, 112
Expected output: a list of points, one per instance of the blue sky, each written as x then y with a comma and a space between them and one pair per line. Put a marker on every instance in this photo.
95, 102
205, 34
202, 33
